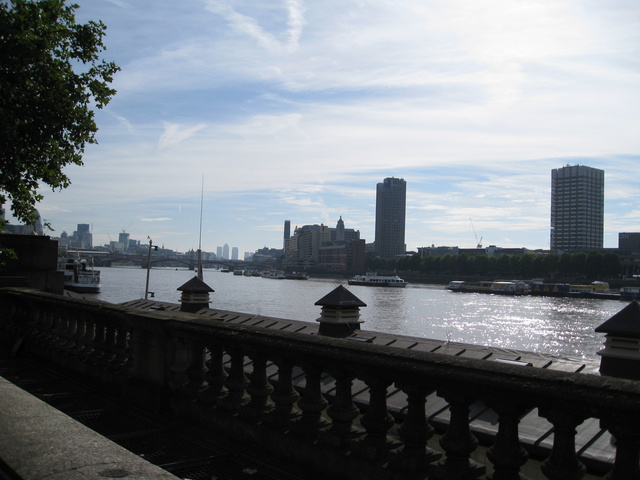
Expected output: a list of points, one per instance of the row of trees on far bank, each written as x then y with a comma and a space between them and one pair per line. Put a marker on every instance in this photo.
593, 265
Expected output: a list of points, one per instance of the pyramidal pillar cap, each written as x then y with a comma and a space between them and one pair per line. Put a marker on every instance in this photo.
621, 354
195, 295
340, 313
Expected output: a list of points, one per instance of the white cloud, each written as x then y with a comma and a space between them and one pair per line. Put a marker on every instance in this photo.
301, 108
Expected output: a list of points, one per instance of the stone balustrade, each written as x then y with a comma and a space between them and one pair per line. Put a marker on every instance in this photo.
322, 402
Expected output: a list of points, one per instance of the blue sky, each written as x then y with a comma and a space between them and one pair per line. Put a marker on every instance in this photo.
294, 110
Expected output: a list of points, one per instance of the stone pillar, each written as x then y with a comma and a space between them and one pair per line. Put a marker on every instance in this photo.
195, 295
621, 354
340, 313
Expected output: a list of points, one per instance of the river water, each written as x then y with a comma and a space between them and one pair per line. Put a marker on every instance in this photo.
557, 326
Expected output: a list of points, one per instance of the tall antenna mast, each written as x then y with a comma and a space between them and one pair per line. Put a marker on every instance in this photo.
200, 275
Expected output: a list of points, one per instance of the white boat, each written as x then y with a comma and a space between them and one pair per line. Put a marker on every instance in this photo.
274, 274
78, 277
510, 288
630, 293
375, 280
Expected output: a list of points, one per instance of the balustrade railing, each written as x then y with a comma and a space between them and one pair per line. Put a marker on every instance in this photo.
321, 402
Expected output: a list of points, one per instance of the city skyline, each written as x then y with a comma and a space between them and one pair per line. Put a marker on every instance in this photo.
295, 110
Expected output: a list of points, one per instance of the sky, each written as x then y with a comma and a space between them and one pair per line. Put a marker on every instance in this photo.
295, 110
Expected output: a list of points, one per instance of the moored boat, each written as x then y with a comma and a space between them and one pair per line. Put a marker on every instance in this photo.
481, 286
78, 277
630, 293
514, 287
510, 288
375, 280
551, 289
274, 274
296, 276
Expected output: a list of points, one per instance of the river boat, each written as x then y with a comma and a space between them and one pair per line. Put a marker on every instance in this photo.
598, 290
510, 288
481, 286
238, 272
497, 287
630, 293
296, 276
375, 280
78, 277
274, 275
551, 289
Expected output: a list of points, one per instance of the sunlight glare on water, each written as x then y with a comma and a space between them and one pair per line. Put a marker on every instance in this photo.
558, 326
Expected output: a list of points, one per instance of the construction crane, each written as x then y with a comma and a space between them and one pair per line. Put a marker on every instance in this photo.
478, 242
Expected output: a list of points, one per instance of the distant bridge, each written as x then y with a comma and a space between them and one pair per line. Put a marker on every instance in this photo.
141, 260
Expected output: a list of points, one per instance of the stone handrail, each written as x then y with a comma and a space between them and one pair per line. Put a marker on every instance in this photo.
241, 381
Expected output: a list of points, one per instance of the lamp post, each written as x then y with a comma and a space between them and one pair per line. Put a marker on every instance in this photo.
146, 290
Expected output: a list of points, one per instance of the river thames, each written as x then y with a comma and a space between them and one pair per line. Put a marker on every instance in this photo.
556, 326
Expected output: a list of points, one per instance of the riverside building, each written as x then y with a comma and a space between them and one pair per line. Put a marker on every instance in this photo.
577, 208
391, 202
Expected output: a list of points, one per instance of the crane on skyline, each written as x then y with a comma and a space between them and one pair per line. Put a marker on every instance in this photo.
478, 242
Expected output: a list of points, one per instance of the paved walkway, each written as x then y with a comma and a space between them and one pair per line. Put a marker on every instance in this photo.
182, 451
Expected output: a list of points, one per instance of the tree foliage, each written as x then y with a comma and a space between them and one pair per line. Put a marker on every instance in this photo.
593, 265
51, 79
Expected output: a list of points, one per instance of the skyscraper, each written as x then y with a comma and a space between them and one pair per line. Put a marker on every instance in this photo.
287, 233
577, 208
391, 201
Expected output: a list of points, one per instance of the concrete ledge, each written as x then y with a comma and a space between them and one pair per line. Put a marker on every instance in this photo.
37, 442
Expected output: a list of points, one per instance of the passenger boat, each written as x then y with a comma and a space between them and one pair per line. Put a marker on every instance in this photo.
514, 287
375, 280
599, 290
78, 277
296, 276
470, 287
550, 289
274, 274
630, 293
510, 288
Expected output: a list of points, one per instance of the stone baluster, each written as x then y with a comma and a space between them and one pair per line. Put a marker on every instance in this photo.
312, 403
507, 454
627, 439
120, 360
38, 326
178, 377
236, 382
109, 345
376, 421
216, 375
258, 389
54, 339
78, 336
284, 396
415, 432
97, 342
342, 411
72, 326
196, 370
87, 338
458, 441
563, 463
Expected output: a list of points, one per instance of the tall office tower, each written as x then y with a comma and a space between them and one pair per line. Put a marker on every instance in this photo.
225, 251
577, 208
287, 233
234, 253
391, 202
